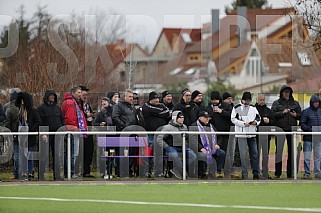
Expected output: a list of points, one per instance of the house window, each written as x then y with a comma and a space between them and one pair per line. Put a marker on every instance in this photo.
254, 66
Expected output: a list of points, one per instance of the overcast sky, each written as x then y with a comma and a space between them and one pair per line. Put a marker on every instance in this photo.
146, 17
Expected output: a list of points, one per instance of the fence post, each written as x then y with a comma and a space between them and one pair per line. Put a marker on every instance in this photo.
184, 156
295, 172
69, 156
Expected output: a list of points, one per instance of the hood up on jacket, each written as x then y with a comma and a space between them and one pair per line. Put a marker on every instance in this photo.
284, 87
314, 98
49, 92
27, 100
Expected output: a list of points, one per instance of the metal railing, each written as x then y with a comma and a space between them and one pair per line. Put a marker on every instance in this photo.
183, 133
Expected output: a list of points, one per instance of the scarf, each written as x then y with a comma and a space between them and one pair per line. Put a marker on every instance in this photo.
80, 118
206, 143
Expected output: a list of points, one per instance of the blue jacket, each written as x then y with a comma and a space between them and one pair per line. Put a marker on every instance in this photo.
311, 116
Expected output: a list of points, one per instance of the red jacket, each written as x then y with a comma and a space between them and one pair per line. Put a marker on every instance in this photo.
70, 113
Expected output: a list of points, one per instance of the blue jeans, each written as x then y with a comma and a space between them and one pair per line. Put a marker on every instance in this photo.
173, 154
26, 159
252, 147
72, 152
308, 146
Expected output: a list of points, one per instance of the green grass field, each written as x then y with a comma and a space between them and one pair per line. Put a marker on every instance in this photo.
163, 197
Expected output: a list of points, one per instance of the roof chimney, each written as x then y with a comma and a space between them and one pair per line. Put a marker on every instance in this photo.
242, 23
215, 20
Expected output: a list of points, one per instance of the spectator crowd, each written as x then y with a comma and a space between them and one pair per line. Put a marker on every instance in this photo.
208, 156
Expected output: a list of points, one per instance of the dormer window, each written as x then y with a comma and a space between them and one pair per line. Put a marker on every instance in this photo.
304, 58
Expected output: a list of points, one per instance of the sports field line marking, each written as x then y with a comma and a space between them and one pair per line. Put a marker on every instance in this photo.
166, 204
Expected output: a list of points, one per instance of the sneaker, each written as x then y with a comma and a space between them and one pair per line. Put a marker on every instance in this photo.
176, 174
148, 175
108, 177
75, 177
220, 175
276, 177
234, 175
160, 175
256, 177
31, 176
24, 177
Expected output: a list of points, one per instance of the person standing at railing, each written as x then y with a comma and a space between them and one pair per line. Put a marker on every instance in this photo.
75, 120
124, 115
220, 113
155, 115
52, 117
246, 118
28, 120
267, 121
87, 147
104, 119
311, 122
12, 124
287, 112
171, 144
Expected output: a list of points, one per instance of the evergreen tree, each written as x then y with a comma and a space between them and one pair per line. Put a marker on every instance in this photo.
247, 3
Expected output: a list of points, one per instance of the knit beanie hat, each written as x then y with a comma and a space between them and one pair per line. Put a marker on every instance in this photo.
152, 95
165, 93
247, 96
226, 95
215, 95
195, 94
185, 91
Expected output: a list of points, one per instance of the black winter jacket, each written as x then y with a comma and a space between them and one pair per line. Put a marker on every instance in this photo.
286, 121
124, 114
221, 121
155, 116
264, 111
33, 118
190, 112
50, 113
104, 116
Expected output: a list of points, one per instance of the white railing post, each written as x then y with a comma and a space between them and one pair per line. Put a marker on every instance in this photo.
295, 172
69, 156
184, 156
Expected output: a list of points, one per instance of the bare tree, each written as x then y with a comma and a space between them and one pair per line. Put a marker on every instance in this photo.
60, 52
310, 10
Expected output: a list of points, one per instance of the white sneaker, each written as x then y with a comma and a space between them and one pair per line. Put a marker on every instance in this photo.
106, 177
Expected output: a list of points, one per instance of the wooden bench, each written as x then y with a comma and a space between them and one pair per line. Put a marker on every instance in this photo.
123, 143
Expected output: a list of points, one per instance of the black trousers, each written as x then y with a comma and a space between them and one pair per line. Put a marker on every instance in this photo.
54, 147
88, 153
278, 157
